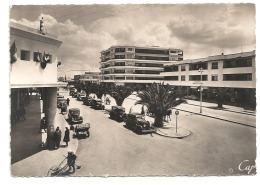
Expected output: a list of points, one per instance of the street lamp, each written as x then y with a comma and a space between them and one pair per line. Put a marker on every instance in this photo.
201, 70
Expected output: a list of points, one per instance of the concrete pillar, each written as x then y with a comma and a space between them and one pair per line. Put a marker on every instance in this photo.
50, 107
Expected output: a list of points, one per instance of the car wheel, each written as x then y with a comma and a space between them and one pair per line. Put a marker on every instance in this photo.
139, 130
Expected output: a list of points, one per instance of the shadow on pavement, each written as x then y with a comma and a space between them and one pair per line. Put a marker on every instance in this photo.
25, 137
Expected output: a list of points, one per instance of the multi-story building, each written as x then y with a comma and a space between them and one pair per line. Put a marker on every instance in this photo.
135, 64
33, 68
237, 72
87, 77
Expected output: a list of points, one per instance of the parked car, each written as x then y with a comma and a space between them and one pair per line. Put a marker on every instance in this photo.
75, 94
82, 130
60, 102
81, 96
138, 123
88, 101
72, 91
74, 116
191, 97
60, 96
97, 104
118, 113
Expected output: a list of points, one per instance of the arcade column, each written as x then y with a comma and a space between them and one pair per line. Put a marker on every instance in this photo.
50, 107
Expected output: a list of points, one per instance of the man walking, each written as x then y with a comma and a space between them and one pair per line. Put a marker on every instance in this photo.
71, 158
68, 101
66, 138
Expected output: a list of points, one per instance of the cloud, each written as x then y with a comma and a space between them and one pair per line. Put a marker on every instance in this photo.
200, 30
226, 29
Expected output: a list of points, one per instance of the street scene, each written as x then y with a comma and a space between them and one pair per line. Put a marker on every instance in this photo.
87, 100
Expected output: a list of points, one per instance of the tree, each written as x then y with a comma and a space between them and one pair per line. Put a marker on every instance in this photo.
120, 93
88, 87
159, 98
220, 93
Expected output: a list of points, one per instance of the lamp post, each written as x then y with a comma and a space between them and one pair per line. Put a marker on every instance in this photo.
201, 70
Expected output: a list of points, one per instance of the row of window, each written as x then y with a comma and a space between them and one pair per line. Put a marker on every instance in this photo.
149, 51
214, 77
122, 71
137, 64
37, 56
214, 65
226, 77
238, 63
132, 56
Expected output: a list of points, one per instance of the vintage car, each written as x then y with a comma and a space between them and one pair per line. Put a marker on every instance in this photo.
87, 101
138, 123
60, 96
118, 113
75, 94
61, 102
191, 97
81, 96
97, 104
82, 130
74, 116
72, 91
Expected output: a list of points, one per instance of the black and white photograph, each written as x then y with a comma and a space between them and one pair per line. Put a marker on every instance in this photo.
132, 89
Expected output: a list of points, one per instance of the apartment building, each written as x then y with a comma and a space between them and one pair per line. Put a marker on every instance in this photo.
126, 64
237, 72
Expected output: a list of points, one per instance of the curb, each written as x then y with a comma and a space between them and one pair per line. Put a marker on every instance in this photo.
228, 110
171, 136
217, 118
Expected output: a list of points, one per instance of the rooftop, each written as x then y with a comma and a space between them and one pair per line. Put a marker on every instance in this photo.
33, 31
150, 47
217, 57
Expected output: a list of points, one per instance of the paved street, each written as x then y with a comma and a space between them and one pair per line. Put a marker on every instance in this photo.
215, 147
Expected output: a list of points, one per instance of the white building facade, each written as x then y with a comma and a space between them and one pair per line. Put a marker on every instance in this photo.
136, 64
87, 77
237, 72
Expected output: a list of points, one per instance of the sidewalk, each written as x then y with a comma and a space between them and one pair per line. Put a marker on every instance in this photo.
37, 165
229, 113
226, 107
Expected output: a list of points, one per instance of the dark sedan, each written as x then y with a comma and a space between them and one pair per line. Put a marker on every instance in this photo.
118, 113
138, 123
74, 116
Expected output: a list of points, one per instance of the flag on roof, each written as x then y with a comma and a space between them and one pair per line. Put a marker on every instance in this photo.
13, 53
46, 58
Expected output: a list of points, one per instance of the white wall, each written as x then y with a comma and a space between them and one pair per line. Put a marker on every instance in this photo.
30, 72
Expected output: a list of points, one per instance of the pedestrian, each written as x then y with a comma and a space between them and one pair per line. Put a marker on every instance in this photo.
71, 159
142, 111
66, 138
68, 101
57, 137
107, 101
43, 125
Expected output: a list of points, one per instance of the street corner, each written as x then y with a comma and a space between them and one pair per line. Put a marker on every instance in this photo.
172, 132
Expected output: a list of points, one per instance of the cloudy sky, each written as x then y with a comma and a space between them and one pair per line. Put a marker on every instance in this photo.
200, 30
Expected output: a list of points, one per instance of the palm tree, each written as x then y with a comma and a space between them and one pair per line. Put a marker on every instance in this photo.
120, 93
159, 98
88, 87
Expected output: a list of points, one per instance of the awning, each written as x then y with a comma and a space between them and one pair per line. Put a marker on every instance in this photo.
35, 85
